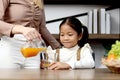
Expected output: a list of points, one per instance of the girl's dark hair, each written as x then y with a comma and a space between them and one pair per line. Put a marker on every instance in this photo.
78, 27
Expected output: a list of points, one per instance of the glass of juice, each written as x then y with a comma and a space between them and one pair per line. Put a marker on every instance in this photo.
32, 48
44, 61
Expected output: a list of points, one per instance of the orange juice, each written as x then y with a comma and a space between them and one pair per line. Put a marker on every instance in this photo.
45, 64
30, 52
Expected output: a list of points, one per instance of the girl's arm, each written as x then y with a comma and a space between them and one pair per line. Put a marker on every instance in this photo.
59, 66
86, 59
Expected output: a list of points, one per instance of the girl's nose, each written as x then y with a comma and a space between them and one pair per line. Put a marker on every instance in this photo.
66, 38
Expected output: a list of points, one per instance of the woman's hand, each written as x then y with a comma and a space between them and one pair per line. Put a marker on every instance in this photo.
58, 66
28, 32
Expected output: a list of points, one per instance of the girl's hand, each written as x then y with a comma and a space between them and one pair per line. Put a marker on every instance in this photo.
59, 66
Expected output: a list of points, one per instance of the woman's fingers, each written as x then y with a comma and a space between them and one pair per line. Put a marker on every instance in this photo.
31, 33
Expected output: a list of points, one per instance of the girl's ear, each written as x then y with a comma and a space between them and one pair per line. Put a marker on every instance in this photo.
80, 36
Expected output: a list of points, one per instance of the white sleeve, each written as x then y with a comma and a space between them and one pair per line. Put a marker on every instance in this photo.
50, 53
72, 63
86, 58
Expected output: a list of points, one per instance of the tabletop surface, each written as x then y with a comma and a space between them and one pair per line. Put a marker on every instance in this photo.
37, 74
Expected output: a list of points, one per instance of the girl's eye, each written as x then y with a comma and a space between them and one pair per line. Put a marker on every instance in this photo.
70, 34
61, 35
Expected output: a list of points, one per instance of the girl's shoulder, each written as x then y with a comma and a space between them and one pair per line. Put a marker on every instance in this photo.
87, 46
49, 49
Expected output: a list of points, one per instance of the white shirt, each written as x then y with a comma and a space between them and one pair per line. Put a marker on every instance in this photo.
69, 56
11, 56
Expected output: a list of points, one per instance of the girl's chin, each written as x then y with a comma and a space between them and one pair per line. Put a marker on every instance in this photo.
68, 46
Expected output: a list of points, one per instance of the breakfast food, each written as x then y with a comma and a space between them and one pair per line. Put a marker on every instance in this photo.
112, 61
114, 53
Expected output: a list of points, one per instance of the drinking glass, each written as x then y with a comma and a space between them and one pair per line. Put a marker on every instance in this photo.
44, 61
32, 48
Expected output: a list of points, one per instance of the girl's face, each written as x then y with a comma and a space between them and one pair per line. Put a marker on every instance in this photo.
68, 36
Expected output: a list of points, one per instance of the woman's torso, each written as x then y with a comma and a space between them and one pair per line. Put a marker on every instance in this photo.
23, 12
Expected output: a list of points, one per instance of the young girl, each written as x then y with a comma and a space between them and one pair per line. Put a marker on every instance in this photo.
75, 51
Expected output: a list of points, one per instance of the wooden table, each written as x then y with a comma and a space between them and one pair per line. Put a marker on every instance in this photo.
37, 74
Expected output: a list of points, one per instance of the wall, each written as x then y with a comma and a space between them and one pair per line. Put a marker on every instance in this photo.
59, 11
115, 20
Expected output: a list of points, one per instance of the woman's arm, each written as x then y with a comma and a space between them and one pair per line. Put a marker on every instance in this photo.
10, 29
46, 34
5, 28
